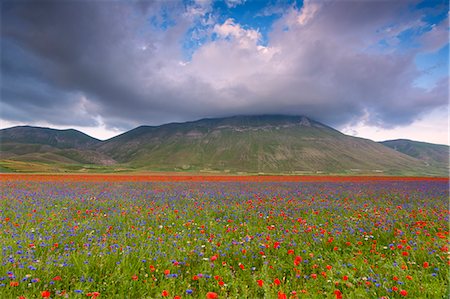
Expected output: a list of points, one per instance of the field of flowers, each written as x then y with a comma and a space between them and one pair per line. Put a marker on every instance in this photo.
182, 238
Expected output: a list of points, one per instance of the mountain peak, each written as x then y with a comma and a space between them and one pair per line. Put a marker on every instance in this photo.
245, 121
255, 120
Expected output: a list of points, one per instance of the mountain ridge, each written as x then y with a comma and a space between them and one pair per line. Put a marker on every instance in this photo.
434, 154
43, 135
238, 144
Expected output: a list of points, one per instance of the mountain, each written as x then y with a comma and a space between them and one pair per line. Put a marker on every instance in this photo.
433, 154
45, 136
31, 145
267, 144
239, 144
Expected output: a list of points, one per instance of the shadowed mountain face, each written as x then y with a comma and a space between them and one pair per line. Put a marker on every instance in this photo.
251, 144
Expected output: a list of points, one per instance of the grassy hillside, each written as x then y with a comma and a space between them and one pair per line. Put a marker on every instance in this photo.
45, 136
48, 149
267, 144
47, 154
437, 155
241, 144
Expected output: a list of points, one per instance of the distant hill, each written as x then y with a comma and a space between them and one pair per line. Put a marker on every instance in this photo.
45, 136
50, 146
240, 144
434, 154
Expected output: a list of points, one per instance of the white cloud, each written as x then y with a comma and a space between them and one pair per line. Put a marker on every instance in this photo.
437, 37
308, 11
244, 37
199, 9
316, 62
312, 68
234, 3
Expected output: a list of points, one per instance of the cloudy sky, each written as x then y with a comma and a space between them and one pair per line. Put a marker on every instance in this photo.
374, 69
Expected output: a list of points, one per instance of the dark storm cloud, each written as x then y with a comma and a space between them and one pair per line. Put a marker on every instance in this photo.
76, 62
74, 47
351, 56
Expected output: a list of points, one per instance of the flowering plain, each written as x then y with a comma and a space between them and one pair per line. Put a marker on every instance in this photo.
119, 237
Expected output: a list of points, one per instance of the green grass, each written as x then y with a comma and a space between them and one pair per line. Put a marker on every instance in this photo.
119, 239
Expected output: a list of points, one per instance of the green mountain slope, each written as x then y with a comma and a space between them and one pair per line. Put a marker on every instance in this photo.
433, 154
248, 144
45, 136
50, 146
268, 144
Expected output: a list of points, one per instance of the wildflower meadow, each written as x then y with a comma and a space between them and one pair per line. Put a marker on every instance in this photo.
110, 238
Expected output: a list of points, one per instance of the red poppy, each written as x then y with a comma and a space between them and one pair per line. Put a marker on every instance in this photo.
165, 293
260, 282
426, 265
56, 278
212, 295
277, 282
338, 294
282, 295
213, 258
134, 277
14, 283
403, 293
45, 294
